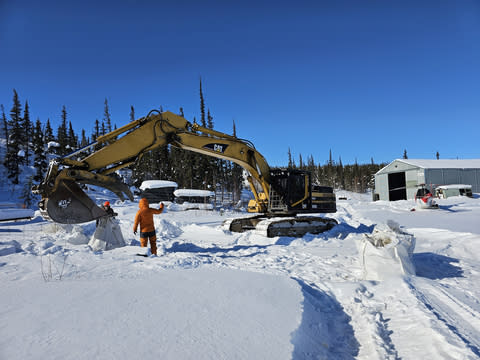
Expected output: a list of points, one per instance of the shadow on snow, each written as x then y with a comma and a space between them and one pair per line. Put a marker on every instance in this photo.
435, 267
192, 248
325, 331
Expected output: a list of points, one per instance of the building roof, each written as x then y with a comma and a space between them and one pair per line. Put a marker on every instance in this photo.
443, 163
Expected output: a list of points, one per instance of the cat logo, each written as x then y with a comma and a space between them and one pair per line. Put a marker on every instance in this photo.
64, 203
219, 148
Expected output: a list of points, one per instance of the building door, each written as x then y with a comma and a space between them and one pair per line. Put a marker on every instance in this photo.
396, 186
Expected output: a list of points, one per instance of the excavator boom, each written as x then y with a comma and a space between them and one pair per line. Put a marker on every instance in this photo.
276, 192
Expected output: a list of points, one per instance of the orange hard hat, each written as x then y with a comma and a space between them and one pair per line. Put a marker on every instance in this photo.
106, 203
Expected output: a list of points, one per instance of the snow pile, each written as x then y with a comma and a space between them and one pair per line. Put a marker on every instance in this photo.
189, 206
11, 213
76, 236
193, 193
156, 184
167, 229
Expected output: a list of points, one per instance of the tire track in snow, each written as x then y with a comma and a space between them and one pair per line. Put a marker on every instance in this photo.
370, 325
447, 309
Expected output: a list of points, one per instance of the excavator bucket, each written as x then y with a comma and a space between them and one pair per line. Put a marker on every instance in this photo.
70, 205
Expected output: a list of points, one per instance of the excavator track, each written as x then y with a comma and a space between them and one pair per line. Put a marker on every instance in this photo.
281, 226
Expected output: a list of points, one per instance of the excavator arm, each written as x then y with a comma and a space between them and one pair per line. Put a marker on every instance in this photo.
64, 201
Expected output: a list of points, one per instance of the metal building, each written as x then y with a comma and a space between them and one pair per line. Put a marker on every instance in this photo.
400, 179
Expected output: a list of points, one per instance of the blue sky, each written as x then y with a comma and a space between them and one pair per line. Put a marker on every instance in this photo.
364, 79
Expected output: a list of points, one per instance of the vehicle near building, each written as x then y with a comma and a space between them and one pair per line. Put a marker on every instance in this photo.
446, 191
424, 198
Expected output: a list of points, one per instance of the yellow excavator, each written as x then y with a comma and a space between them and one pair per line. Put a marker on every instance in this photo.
280, 195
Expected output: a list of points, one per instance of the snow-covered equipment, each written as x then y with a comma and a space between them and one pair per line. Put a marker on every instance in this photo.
386, 253
107, 235
189, 199
424, 199
282, 193
156, 191
445, 191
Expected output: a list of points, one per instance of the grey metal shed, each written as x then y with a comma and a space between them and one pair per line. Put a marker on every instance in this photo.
400, 179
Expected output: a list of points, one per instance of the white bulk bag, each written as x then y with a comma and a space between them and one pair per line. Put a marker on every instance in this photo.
386, 253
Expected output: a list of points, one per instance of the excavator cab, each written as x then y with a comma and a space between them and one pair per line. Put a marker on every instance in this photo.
292, 192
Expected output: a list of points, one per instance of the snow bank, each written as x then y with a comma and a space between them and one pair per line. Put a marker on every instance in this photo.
14, 213
177, 314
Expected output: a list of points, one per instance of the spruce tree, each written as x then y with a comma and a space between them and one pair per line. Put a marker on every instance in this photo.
103, 129
311, 169
48, 133
203, 162
340, 174
202, 106
96, 130
40, 159
330, 171
300, 162
107, 118
290, 159
84, 141
13, 158
71, 137
4, 134
27, 133
62, 137
4, 125
132, 113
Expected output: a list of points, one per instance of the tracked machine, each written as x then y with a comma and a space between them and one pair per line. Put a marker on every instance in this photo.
282, 197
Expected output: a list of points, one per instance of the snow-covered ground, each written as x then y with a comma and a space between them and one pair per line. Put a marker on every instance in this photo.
213, 294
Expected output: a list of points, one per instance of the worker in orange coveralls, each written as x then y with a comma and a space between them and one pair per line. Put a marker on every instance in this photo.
144, 217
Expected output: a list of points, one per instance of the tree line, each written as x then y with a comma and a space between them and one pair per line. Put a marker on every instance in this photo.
32, 144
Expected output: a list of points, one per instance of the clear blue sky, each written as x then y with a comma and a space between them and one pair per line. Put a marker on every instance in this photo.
362, 78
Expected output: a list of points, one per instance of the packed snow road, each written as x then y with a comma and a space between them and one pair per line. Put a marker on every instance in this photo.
316, 287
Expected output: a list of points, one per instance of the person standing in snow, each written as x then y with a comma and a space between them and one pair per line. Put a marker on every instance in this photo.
108, 209
144, 218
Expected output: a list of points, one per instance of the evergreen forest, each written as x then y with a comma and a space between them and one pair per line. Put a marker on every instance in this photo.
31, 143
